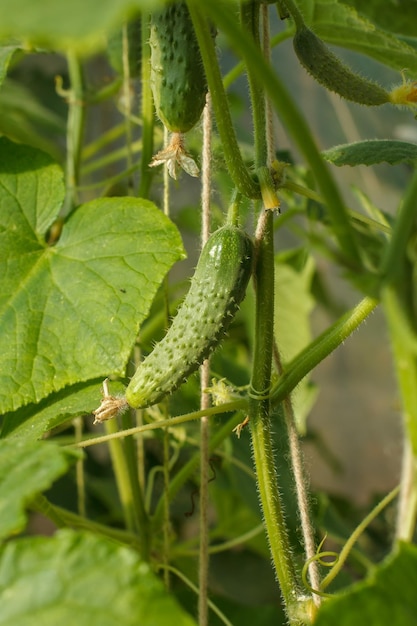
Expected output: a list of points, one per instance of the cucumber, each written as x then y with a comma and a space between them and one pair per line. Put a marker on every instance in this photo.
178, 80
332, 73
217, 288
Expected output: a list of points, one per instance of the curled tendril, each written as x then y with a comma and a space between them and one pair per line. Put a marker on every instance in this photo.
259, 395
319, 558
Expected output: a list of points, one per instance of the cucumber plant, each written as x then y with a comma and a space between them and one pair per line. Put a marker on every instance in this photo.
101, 264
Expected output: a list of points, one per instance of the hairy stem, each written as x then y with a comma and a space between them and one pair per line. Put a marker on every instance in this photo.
250, 22
260, 413
237, 168
297, 462
320, 348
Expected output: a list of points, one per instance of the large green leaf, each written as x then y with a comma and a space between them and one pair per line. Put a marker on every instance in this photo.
397, 17
339, 24
77, 578
33, 420
59, 24
372, 151
70, 312
26, 469
387, 598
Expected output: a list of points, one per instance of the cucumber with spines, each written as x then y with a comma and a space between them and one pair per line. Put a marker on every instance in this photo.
178, 80
332, 73
216, 291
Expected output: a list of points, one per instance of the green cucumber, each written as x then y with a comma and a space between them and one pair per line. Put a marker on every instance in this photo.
178, 80
332, 73
217, 288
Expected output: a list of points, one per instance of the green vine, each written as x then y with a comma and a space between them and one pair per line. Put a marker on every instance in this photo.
295, 124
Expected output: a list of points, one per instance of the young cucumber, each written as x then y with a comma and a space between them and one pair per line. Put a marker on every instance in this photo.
177, 75
330, 71
217, 288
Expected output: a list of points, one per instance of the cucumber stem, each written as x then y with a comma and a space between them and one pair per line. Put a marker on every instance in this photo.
301, 486
233, 210
234, 161
260, 413
320, 348
295, 13
269, 114
269, 197
249, 12
259, 403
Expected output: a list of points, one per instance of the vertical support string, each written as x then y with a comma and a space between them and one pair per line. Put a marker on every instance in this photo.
204, 383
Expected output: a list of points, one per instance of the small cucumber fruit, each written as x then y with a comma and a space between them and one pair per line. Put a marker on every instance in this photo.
332, 73
178, 80
217, 288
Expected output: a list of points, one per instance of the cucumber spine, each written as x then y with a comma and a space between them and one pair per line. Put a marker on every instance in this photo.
216, 291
